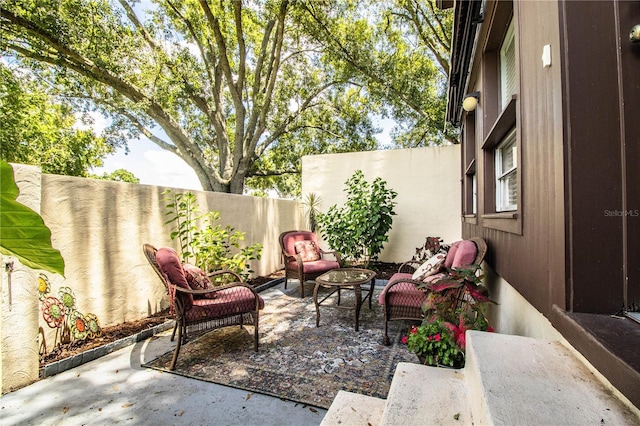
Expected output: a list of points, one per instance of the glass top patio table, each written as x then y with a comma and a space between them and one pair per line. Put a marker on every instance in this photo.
339, 279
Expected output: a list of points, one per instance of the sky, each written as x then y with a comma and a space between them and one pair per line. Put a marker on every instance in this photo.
152, 165
155, 166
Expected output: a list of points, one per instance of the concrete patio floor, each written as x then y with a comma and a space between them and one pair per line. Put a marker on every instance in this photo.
116, 389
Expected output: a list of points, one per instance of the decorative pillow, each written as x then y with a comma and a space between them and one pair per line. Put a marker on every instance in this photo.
198, 280
430, 267
308, 250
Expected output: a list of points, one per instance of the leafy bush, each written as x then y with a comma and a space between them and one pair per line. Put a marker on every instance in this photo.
210, 245
358, 230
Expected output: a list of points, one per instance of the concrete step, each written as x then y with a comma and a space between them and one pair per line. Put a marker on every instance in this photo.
520, 380
423, 395
353, 409
507, 380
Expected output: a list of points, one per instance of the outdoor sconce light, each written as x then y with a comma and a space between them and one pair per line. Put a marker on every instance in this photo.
470, 101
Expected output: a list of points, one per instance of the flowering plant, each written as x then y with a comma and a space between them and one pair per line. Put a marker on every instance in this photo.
434, 342
454, 304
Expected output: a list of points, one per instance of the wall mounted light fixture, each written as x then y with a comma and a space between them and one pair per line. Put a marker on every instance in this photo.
470, 101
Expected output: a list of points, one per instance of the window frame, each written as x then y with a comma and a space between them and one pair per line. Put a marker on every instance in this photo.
499, 120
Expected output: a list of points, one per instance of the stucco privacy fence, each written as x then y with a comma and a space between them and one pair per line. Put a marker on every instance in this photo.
100, 226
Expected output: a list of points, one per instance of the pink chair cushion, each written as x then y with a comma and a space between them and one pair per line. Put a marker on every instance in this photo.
404, 293
319, 266
169, 263
448, 261
229, 301
465, 254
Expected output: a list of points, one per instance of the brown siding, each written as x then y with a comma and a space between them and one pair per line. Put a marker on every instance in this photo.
532, 262
594, 157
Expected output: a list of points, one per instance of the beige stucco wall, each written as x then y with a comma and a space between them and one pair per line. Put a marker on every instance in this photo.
99, 228
427, 181
20, 310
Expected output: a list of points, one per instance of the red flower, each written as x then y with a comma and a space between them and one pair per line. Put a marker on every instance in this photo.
414, 329
490, 329
437, 337
404, 340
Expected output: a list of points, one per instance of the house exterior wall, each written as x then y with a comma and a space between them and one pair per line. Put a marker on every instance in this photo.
529, 254
571, 247
601, 90
426, 180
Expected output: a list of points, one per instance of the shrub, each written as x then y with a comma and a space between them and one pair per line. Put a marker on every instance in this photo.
211, 246
358, 230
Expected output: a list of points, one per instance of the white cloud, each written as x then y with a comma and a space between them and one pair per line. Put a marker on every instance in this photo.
152, 165
167, 169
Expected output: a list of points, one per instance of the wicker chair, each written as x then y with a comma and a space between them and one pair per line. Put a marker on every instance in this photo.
401, 299
232, 304
297, 265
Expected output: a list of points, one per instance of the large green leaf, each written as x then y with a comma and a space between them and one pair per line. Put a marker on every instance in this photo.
23, 233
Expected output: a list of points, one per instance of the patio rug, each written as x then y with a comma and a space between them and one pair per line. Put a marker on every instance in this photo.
297, 361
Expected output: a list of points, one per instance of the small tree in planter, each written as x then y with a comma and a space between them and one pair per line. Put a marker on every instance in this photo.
359, 229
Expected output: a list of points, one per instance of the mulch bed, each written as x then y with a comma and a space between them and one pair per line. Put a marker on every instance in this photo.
119, 331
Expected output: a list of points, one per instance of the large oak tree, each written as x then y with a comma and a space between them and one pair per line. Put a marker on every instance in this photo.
237, 89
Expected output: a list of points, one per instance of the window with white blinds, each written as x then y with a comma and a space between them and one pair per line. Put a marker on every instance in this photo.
508, 67
506, 161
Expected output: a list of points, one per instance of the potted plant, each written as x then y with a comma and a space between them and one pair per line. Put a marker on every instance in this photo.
455, 303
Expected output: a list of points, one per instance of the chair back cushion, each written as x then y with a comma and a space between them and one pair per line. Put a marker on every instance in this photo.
451, 254
169, 263
465, 255
461, 253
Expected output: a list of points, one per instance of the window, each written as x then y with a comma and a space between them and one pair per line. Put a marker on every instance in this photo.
507, 67
499, 182
469, 181
474, 194
506, 162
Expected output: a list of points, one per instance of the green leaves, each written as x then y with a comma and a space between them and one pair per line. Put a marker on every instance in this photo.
41, 130
359, 229
23, 233
212, 246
